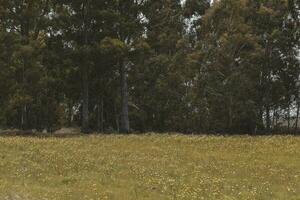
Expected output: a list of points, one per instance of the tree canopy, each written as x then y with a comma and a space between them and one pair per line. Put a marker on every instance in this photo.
150, 65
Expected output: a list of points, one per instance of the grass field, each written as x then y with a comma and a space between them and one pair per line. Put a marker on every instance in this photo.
150, 167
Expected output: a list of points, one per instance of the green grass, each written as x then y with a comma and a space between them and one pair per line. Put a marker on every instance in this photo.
150, 167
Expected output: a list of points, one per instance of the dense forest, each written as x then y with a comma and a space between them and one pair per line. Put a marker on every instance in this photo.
150, 65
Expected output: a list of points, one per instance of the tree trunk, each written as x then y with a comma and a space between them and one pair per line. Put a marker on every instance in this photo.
102, 115
274, 117
100, 120
230, 117
277, 119
85, 78
260, 122
289, 118
268, 85
297, 115
268, 118
85, 103
23, 117
25, 66
124, 128
70, 113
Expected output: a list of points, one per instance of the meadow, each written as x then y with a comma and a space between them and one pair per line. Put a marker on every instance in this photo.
134, 167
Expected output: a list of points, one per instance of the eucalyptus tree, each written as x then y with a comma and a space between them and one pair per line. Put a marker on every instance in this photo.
80, 25
27, 20
275, 27
249, 51
126, 28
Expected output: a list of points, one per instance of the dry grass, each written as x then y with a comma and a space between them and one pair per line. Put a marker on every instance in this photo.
150, 167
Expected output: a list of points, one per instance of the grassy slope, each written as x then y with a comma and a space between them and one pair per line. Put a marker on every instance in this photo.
150, 167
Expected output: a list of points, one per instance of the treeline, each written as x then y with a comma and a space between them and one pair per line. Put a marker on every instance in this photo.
150, 65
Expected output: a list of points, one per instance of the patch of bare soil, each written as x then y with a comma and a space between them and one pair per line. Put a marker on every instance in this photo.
64, 131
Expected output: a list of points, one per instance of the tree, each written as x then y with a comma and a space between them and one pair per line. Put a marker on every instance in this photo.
151, 65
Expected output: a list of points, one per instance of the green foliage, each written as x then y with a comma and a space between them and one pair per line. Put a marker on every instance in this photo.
191, 66
113, 47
